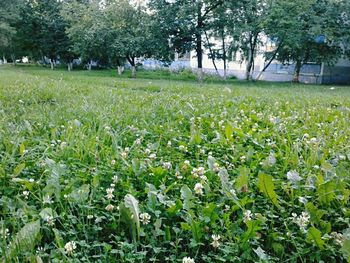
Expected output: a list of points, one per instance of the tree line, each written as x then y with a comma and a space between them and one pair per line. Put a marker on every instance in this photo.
113, 32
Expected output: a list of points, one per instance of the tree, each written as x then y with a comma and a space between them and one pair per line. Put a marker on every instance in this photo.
246, 25
185, 23
306, 30
9, 16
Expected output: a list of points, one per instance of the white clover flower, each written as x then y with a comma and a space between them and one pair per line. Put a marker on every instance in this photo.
145, 218
271, 159
109, 207
90, 216
26, 194
198, 188
110, 193
5, 232
215, 242
167, 165
47, 200
178, 175
216, 167
147, 151
338, 238
138, 141
187, 162
293, 177
113, 162
50, 221
70, 247
115, 179
152, 156
302, 220
63, 145
31, 180
247, 216
188, 260
169, 144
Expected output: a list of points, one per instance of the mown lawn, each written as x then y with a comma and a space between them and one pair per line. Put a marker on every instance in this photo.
96, 168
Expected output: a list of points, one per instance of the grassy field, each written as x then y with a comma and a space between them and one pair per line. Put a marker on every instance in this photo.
96, 168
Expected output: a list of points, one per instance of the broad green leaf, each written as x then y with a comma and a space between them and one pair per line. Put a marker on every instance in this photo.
80, 195
58, 238
25, 240
242, 179
314, 235
22, 149
326, 192
346, 245
132, 205
18, 169
186, 195
253, 228
229, 131
267, 187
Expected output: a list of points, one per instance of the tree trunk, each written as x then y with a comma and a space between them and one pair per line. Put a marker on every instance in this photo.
120, 70
70, 66
211, 54
199, 49
4, 59
224, 54
133, 72
270, 61
250, 61
13, 57
52, 64
89, 65
297, 71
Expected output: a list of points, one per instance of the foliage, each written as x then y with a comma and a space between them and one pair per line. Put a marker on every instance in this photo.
99, 168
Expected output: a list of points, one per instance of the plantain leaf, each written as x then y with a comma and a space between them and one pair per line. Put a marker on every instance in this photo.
131, 216
267, 187
326, 193
229, 131
25, 240
253, 228
186, 195
314, 235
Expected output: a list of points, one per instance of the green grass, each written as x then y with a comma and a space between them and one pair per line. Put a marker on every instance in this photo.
268, 150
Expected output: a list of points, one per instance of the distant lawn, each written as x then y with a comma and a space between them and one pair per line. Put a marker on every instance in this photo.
159, 167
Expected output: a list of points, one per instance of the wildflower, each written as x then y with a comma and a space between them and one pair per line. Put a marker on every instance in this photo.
113, 162
147, 151
70, 247
247, 216
169, 144
167, 165
145, 218
196, 172
293, 176
215, 242
5, 233
216, 167
25, 194
31, 180
243, 158
183, 148
110, 193
109, 207
47, 200
63, 145
198, 188
138, 141
338, 238
188, 260
302, 220
152, 156
178, 175
115, 179
271, 159
90, 216
49, 220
